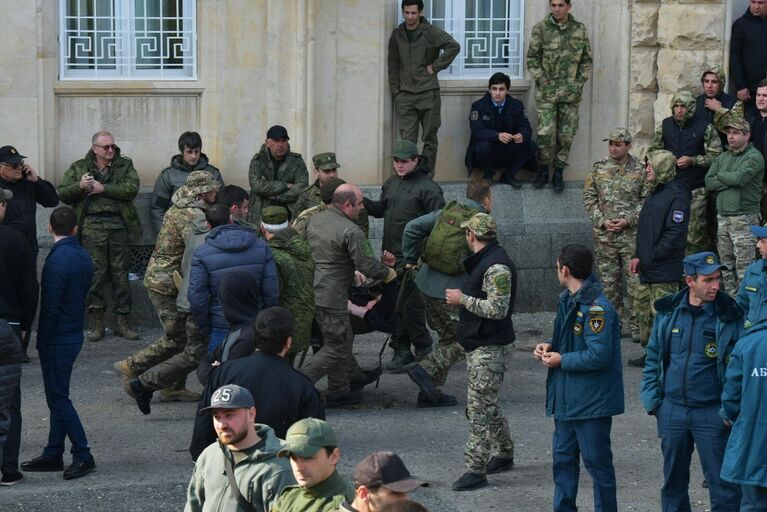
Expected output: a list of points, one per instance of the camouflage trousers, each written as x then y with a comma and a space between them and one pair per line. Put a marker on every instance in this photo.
488, 429
110, 251
443, 318
175, 354
646, 295
735, 244
420, 109
697, 229
335, 359
612, 262
557, 125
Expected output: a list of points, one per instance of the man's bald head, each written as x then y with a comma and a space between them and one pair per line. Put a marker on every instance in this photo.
348, 199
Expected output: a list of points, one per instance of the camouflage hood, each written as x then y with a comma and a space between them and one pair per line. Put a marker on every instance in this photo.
687, 99
718, 71
291, 242
185, 198
664, 165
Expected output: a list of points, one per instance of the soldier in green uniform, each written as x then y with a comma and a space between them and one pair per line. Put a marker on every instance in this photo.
613, 195
326, 196
169, 359
325, 168
100, 188
559, 59
276, 174
295, 268
417, 52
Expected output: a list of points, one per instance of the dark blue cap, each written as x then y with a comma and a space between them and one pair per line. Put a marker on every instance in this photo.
759, 231
703, 263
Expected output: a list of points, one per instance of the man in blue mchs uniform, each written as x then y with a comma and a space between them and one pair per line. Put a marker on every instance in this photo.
752, 294
743, 399
584, 387
693, 334
501, 135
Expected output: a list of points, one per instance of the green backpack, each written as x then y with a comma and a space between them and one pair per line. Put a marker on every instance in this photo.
446, 246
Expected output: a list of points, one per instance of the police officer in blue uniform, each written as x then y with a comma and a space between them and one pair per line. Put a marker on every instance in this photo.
501, 135
752, 295
694, 332
584, 387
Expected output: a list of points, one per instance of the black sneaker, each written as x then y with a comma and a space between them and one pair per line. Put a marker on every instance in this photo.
368, 377
499, 465
336, 400
469, 482
424, 402
143, 396
10, 479
511, 180
423, 380
637, 363
81, 468
43, 464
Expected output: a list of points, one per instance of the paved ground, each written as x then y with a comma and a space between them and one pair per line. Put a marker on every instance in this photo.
143, 465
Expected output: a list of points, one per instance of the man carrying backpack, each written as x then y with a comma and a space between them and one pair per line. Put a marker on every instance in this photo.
442, 269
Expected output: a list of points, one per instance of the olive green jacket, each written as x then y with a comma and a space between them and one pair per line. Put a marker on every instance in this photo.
326, 496
121, 184
269, 186
737, 180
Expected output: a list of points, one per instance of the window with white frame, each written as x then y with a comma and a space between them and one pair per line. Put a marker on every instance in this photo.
128, 39
490, 33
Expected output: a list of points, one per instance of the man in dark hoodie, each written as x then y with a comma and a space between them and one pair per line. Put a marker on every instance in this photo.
748, 60
695, 144
190, 159
714, 103
660, 242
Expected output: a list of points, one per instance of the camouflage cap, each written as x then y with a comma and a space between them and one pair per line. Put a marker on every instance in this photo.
325, 161
482, 225
619, 135
738, 123
201, 182
404, 149
274, 215
329, 188
306, 437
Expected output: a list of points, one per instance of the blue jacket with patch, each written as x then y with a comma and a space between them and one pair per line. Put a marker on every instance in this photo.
673, 325
743, 399
752, 295
587, 333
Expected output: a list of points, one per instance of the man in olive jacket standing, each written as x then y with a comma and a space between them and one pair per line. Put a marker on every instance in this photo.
417, 52
101, 188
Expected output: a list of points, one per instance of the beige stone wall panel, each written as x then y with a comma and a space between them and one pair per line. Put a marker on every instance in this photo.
642, 115
679, 69
688, 27
644, 24
644, 69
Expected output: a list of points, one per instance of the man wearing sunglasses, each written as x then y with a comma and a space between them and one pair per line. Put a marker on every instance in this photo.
100, 188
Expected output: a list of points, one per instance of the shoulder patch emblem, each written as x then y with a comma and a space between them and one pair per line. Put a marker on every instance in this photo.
710, 350
578, 328
677, 216
502, 282
597, 324
474, 115
367, 249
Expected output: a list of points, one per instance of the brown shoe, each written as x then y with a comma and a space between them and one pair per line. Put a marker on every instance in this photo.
179, 395
123, 328
95, 325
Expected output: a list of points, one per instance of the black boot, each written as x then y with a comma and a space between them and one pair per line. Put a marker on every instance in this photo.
510, 179
557, 182
542, 177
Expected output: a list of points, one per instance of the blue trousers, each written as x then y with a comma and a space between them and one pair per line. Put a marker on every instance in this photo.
754, 498
216, 337
589, 439
512, 156
681, 429
57, 362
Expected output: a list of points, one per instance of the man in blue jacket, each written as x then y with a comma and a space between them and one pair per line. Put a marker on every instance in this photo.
752, 294
584, 386
66, 279
743, 399
692, 337
501, 135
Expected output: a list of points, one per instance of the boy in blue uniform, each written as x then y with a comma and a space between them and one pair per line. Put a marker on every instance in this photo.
752, 294
693, 334
584, 387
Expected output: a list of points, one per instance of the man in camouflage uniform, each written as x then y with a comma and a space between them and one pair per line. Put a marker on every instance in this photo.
276, 174
485, 303
713, 104
100, 188
736, 176
169, 359
326, 196
559, 59
613, 195
695, 143
339, 248
295, 269
432, 284
325, 168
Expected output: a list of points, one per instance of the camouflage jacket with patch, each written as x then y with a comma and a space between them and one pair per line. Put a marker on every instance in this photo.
614, 191
178, 223
559, 59
302, 218
269, 186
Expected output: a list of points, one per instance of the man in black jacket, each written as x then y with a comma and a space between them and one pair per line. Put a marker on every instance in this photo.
501, 135
282, 394
18, 302
748, 60
661, 241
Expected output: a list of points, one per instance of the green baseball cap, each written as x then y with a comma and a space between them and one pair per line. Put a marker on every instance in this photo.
482, 225
274, 215
404, 149
306, 437
619, 135
325, 161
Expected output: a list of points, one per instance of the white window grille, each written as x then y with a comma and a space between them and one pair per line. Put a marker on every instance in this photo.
490, 32
128, 39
